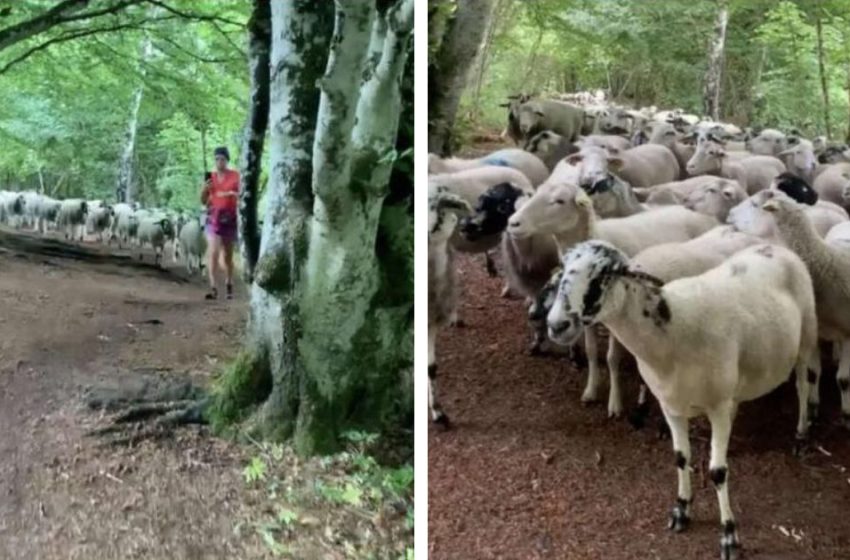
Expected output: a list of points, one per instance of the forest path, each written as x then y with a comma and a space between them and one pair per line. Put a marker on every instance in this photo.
94, 316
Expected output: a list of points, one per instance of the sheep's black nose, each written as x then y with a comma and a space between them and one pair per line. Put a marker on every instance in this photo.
515, 224
558, 327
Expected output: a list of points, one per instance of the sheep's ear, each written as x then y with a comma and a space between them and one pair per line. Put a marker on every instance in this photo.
538, 113
771, 205
583, 199
615, 163
574, 158
787, 152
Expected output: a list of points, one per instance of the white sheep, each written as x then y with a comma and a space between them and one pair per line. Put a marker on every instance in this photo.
566, 212
831, 182
641, 166
703, 344
525, 162
12, 207
829, 264
444, 209
750, 217
753, 172
191, 244
551, 148
715, 200
768, 142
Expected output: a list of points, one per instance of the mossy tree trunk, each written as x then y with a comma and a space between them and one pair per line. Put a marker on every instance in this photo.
330, 336
259, 51
449, 66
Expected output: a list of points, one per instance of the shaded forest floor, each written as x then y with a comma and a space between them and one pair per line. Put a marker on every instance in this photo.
71, 319
529, 472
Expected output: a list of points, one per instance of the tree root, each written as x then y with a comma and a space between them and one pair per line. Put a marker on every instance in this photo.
147, 409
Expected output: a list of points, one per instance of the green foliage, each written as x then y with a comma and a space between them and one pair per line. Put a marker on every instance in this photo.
655, 53
65, 110
331, 496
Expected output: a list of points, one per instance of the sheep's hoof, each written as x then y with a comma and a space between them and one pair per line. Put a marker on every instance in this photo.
845, 420
506, 292
590, 395
615, 411
679, 520
440, 419
458, 323
637, 418
730, 547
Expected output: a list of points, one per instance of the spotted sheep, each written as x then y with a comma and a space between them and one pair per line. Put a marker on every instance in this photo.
561, 209
750, 330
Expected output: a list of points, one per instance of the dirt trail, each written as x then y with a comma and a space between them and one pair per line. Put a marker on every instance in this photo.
528, 472
68, 323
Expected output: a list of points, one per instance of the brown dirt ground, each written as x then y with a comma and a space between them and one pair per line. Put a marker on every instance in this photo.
68, 324
529, 472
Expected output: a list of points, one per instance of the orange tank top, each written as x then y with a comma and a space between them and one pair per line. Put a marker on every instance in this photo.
221, 184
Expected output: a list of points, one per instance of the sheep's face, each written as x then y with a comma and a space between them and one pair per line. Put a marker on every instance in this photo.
706, 159
551, 210
715, 199
800, 159
664, 134
443, 210
767, 143
595, 165
530, 117
588, 270
490, 216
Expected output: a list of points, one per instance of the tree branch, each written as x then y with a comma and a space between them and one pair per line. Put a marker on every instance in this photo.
57, 15
194, 55
340, 94
63, 38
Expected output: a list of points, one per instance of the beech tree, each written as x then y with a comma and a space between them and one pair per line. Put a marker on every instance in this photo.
329, 340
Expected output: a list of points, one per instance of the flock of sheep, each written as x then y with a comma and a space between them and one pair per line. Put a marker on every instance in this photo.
717, 257
126, 224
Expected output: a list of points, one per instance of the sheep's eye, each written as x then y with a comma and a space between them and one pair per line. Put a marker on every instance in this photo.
559, 201
712, 190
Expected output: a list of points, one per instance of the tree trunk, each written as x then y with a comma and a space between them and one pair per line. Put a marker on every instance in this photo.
822, 71
329, 337
204, 148
501, 11
259, 47
713, 74
125, 190
449, 67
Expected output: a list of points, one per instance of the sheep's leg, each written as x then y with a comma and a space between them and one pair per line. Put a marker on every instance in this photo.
801, 374
721, 429
491, 266
591, 391
437, 414
813, 378
506, 291
679, 517
638, 416
456, 321
843, 378
616, 351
